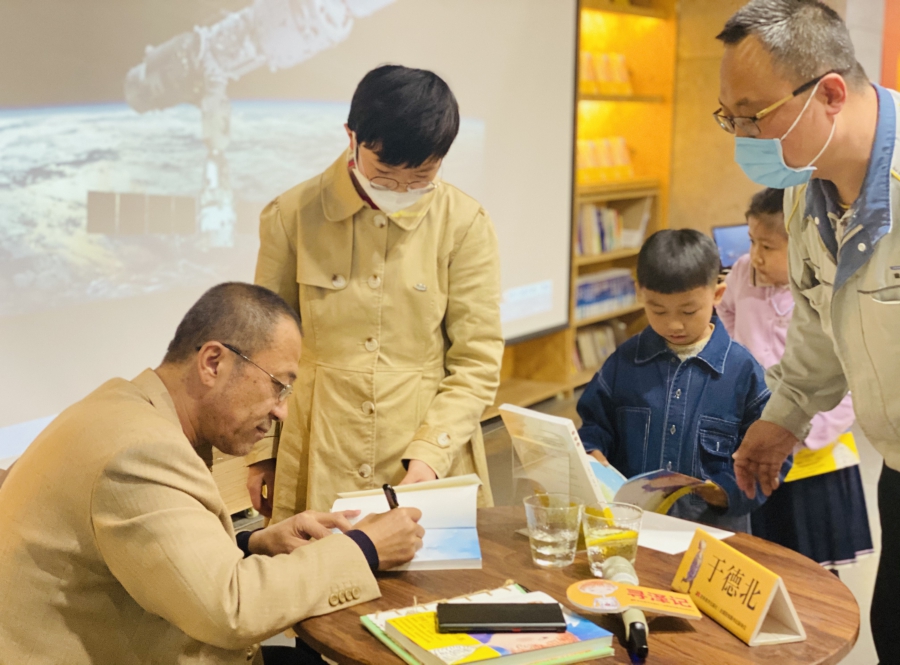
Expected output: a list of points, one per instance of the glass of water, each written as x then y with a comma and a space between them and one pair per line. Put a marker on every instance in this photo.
611, 530
553, 522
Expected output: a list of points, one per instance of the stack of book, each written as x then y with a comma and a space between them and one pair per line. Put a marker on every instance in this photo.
603, 292
411, 634
604, 159
604, 74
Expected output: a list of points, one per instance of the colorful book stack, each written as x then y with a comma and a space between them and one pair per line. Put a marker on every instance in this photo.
603, 292
604, 74
411, 634
605, 159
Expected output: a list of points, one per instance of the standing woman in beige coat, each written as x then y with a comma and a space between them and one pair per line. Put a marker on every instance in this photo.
395, 275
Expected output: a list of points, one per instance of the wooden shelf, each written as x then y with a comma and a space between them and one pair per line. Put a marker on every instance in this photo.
523, 392
641, 99
631, 309
625, 189
605, 257
621, 7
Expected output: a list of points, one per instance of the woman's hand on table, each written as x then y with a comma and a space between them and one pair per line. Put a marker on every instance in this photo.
418, 472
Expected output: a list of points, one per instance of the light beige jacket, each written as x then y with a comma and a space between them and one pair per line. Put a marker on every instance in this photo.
402, 338
116, 549
845, 330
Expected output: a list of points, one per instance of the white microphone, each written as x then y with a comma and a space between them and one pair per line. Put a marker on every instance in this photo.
619, 569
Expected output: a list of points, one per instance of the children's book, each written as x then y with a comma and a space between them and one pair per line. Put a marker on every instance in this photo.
552, 457
449, 508
415, 631
655, 491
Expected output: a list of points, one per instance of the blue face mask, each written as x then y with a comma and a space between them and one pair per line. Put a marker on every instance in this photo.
763, 159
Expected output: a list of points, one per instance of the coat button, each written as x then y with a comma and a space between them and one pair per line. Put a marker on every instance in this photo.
861, 247
816, 220
368, 408
365, 471
333, 600
251, 651
343, 596
380, 221
371, 344
338, 281
374, 281
355, 593
672, 429
678, 394
444, 440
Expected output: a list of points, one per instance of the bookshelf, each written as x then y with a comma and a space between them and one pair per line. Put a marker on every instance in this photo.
644, 33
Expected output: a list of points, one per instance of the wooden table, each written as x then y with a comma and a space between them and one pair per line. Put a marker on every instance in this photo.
826, 607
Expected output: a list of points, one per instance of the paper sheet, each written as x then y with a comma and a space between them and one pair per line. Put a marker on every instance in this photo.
671, 535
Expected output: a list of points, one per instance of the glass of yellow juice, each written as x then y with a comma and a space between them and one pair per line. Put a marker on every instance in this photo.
610, 530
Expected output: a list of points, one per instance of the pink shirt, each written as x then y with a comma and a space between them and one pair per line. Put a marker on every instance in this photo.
758, 318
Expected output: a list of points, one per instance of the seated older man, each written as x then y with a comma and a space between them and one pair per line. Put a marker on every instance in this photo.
116, 546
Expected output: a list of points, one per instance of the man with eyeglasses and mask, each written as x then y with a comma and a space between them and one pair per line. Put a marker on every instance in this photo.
116, 545
395, 275
807, 120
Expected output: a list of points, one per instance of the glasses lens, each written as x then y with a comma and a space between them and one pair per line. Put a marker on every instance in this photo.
285, 393
421, 185
384, 184
725, 122
747, 126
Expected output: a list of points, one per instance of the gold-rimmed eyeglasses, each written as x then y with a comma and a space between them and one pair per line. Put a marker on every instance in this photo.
284, 390
747, 125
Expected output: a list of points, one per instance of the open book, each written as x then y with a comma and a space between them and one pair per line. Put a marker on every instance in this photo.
655, 491
449, 509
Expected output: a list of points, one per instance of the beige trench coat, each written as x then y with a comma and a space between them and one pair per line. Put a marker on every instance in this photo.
402, 340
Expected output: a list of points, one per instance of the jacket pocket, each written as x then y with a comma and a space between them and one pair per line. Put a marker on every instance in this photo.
717, 439
633, 423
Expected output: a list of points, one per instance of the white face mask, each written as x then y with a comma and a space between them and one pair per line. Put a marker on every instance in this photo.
387, 200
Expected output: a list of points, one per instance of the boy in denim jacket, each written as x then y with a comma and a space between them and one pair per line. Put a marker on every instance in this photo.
681, 394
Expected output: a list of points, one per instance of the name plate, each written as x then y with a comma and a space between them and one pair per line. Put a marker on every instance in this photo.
743, 596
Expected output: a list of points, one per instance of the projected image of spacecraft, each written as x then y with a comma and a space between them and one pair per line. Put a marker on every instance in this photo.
196, 67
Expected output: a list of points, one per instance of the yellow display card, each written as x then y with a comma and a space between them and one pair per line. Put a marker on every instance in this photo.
745, 597
837, 455
607, 597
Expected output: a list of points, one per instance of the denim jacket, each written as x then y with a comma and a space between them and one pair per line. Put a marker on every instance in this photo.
646, 410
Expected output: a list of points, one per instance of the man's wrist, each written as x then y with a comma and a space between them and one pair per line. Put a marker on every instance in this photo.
366, 545
244, 543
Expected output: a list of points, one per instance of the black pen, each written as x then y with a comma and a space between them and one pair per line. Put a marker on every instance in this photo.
390, 495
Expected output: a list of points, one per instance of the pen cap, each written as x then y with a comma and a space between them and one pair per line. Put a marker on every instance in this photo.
619, 569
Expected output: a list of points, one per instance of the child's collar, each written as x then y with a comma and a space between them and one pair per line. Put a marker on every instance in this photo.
651, 345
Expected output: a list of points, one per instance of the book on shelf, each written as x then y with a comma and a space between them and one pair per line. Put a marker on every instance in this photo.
413, 631
602, 73
603, 292
595, 344
599, 230
603, 159
449, 509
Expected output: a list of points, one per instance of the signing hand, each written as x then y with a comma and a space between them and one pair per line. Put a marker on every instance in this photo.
297, 531
262, 475
759, 458
395, 534
418, 472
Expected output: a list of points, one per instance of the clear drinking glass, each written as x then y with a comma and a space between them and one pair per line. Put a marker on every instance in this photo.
611, 530
553, 521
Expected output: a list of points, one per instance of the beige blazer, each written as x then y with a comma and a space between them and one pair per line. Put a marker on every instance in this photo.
116, 549
402, 338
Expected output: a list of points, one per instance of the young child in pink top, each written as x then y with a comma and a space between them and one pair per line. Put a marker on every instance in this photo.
823, 516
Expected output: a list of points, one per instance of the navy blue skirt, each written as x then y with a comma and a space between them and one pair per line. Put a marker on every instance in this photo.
823, 517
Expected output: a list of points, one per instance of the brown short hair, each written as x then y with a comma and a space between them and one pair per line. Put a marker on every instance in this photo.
236, 313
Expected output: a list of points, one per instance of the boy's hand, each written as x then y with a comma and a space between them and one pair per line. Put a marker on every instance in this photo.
597, 455
713, 495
